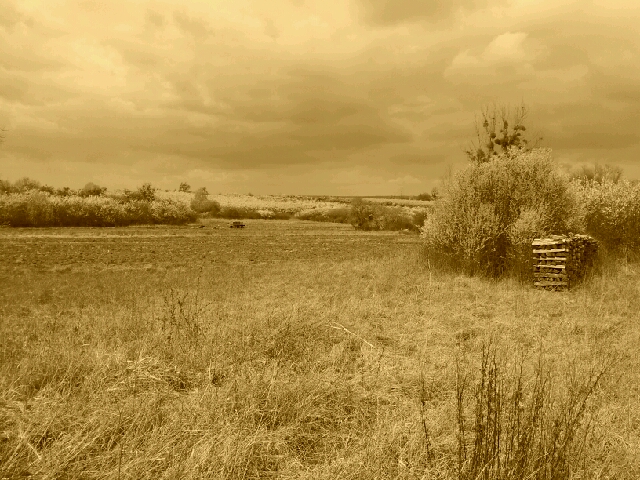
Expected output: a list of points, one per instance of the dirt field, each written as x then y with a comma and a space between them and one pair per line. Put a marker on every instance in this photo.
285, 349
162, 247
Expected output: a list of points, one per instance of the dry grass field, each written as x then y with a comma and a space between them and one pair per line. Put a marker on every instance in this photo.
291, 349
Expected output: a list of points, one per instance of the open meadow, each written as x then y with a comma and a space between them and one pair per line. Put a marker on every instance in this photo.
294, 349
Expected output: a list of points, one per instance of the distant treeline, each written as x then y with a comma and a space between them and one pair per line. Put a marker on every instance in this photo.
28, 203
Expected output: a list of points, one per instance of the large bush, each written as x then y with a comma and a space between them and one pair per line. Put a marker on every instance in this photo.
490, 212
610, 212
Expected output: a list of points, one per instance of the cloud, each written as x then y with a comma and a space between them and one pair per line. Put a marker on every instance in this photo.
504, 55
268, 93
11, 17
392, 12
199, 29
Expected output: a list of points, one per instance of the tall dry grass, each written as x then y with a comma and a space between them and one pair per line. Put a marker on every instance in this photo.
305, 369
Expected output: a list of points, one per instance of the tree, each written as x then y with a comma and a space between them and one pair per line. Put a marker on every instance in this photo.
91, 189
598, 174
146, 192
184, 187
5, 186
362, 215
26, 184
499, 129
202, 204
64, 192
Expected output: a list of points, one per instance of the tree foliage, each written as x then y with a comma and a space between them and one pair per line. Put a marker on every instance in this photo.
597, 173
202, 204
26, 184
91, 189
498, 130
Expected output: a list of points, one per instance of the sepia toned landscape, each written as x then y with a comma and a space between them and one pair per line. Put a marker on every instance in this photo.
359, 239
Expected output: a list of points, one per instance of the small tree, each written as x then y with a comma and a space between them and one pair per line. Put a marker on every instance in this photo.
64, 192
598, 174
146, 192
91, 189
184, 187
202, 204
26, 184
5, 186
362, 215
500, 129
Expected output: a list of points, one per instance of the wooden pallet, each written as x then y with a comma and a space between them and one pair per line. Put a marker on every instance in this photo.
561, 261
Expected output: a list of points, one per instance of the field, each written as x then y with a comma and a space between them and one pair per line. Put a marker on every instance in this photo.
297, 205
287, 349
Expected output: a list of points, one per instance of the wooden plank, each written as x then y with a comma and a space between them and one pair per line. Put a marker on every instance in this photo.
559, 259
550, 284
551, 250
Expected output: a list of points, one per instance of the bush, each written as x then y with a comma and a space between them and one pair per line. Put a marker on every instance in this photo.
333, 215
202, 204
368, 216
610, 212
241, 213
362, 215
490, 212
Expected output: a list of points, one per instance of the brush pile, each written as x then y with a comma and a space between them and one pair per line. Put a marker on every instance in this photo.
561, 261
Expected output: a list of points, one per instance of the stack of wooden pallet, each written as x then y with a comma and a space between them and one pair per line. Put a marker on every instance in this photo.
560, 261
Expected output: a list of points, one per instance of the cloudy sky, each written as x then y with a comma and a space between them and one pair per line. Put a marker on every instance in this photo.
348, 97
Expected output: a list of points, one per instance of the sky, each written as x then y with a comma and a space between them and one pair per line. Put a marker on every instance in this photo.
331, 97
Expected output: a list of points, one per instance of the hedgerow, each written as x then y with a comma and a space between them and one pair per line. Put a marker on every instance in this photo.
41, 209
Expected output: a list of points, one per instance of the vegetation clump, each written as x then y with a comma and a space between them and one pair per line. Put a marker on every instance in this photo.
365, 215
610, 212
202, 204
28, 204
490, 212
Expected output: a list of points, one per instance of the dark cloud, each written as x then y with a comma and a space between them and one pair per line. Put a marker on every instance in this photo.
391, 12
10, 17
155, 18
190, 25
249, 93
13, 89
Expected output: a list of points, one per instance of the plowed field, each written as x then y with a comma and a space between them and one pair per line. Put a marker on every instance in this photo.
260, 242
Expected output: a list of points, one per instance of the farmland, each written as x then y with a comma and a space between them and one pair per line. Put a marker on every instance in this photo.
287, 349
